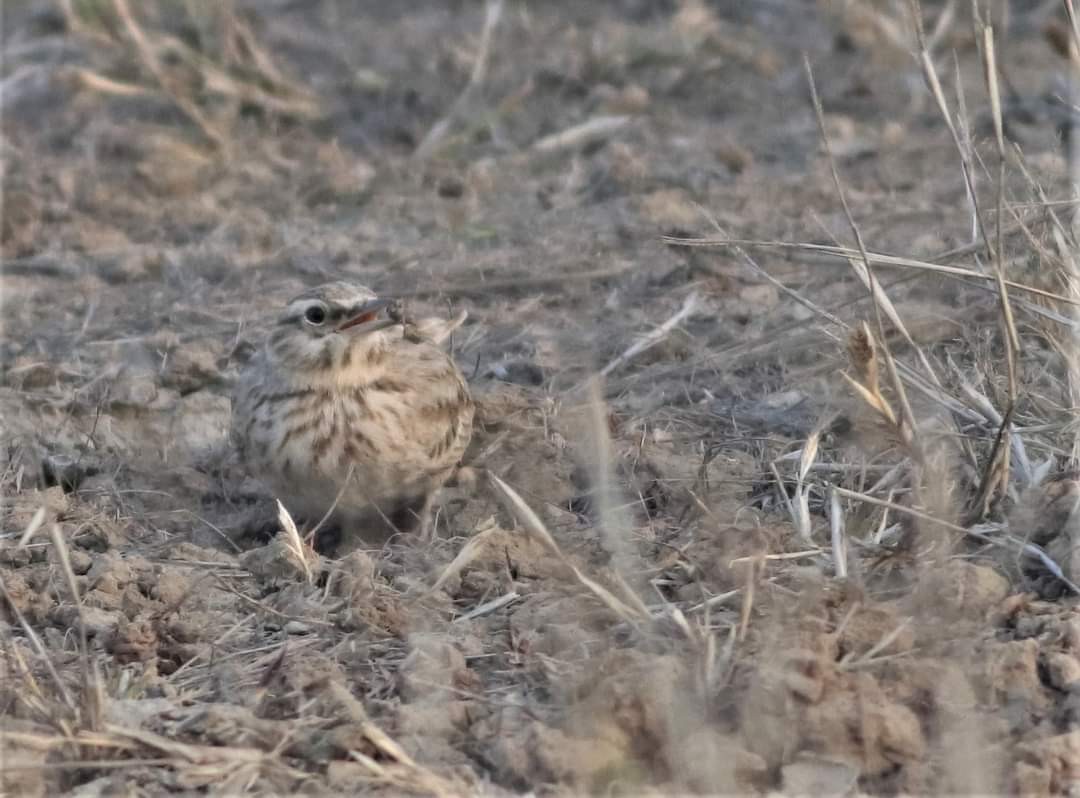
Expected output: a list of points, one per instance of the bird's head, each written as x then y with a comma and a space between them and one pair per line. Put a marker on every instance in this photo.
318, 326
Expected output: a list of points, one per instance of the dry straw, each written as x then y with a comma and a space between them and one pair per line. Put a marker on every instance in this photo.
629, 607
294, 544
242, 74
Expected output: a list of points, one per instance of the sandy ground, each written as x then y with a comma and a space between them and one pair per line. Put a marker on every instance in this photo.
743, 561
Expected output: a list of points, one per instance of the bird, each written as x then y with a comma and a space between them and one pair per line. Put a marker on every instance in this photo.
351, 412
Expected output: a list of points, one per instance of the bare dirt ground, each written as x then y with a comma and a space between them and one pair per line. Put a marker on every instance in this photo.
755, 557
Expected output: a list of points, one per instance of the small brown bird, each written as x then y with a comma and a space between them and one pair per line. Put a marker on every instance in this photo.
348, 403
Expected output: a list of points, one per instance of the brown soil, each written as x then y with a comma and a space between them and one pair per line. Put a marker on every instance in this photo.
173, 172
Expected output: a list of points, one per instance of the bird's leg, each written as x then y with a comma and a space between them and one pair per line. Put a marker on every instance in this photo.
415, 516
328, 537
427, 517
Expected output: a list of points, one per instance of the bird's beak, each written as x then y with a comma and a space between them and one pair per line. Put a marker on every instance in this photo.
363, 318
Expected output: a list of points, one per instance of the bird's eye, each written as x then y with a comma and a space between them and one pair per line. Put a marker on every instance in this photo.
315, 314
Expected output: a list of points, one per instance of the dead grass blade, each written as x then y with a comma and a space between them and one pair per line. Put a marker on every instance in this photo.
476, 543
231, 755
999, 475
651, 339
995, 477
492, 14
39, 647
176, 92
862, 350
595, 129
615, 522
32, 527
747, 608
631, 613
489, 607
100, 83
864, 270
1029, 549
749, 261
401, 770
799, 507
882, 644
93, 696
525, 515
839, 537
876, 258
926, 62
294, 544
242, 73
518, 284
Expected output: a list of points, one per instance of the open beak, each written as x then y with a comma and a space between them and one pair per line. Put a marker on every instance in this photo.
365, 319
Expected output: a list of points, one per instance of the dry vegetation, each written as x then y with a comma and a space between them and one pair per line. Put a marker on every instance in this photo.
772, 315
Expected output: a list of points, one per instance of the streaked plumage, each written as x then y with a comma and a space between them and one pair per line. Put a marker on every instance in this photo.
339, 390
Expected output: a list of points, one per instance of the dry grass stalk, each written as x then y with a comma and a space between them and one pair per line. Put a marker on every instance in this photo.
475, 544
801, 505
929, 481
1029, 549
788, 504
719, 598
631, 610
217, 643
749, 261
865, 360
981, 403
787, 555
651, 339
944, 22
926, 62
838, 536
93, 697
595, 129
862, 266
42, 652
996, 477
1071, 260
104, 85
34, 697
878, 259
614, 520
850, 661
171, 87
489, 287
994, 481
172, 63
862, 353
924, 464
32, 527
1074, 24
489, 607
430, 142
967, 144
204, 755
752, 571
294, 544
403, 771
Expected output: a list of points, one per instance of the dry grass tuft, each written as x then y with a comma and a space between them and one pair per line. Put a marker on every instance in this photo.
209, 84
